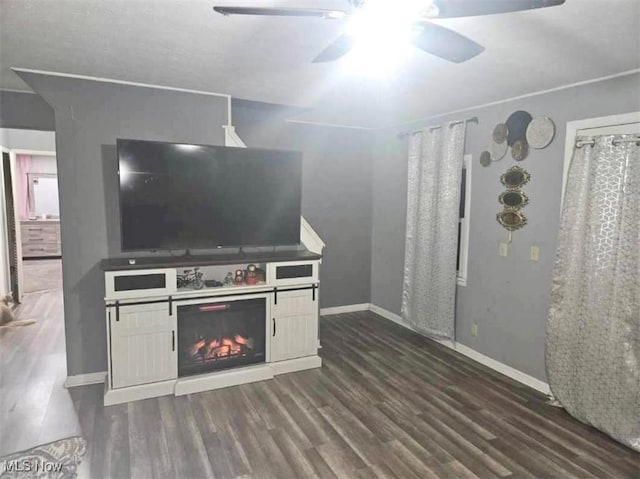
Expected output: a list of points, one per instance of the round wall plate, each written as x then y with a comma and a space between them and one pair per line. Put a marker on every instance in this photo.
540, 132
485, 158
500, 133
498, 150
517, 124
520, 150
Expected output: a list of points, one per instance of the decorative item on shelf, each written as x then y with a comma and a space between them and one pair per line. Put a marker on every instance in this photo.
520, 150
261, 275
485, 158
517, 124
228, 279
515, 178
250, 275
511, 220
239, 278
498, 150
212, 283
540, 132
190, 279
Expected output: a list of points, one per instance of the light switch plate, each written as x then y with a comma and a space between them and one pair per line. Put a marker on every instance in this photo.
535, 253
504, 249
474, 329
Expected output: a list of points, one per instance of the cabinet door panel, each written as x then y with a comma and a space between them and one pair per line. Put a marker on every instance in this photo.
294, 332
143, 345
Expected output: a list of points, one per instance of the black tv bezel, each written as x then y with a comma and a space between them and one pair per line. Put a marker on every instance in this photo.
210, 247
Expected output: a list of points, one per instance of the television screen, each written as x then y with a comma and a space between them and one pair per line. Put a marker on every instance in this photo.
181, 196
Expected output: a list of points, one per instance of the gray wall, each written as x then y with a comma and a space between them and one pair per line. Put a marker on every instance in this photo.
336, 194
89, 118
25, 110
507, 297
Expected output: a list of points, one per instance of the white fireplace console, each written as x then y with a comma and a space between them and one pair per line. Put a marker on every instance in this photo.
145, 307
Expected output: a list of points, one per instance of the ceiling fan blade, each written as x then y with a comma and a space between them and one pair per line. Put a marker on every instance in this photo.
470, 8
340, 47
282, 12
445, 43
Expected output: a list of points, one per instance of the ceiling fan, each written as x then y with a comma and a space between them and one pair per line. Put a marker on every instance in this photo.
425, 35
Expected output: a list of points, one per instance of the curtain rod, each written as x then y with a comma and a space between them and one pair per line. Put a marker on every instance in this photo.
591, 141
473, 119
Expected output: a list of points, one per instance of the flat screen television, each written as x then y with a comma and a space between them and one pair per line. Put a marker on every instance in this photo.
181, 196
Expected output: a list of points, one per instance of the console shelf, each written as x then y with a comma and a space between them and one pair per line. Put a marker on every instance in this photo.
152, 262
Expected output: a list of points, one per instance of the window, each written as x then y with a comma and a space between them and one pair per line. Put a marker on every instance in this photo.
463, 221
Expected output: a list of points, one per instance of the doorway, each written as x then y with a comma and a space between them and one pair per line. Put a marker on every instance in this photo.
31, 213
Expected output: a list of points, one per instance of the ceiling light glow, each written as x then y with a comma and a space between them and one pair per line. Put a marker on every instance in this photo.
382, 31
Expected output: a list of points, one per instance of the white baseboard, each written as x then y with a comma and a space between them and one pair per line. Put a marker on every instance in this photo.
85, 379
502, 368
349, 308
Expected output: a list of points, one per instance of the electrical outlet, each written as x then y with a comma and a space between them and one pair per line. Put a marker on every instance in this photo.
504, 249
535, 253
474, 330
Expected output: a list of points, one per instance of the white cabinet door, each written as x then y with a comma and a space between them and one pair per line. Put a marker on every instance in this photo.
294, 325
143, 344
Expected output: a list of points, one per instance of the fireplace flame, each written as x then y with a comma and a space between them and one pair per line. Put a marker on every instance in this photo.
220, 348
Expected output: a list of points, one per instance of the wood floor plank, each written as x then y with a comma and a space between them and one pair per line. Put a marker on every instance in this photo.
387, 403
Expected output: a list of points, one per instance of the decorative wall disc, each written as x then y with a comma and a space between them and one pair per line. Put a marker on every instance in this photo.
520, 150
498, 150
500, 133
485, 158
517, 124
540, 132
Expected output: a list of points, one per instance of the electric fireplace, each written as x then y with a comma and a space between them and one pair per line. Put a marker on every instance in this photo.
220, 335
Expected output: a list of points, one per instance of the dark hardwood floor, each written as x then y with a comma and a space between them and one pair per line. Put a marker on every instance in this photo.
386, 403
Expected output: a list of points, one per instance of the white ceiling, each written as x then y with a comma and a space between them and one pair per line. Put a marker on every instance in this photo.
183, 43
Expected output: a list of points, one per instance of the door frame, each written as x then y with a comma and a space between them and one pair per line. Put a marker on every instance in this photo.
5, 286
577, 127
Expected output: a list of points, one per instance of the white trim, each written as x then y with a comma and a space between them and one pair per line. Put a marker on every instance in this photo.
11, 90
85, 379
502, 368
130, 83
520, 97
573, 127
461, 274
349, 308
231, 138
309, 237
119, 82
20, 151
331, 125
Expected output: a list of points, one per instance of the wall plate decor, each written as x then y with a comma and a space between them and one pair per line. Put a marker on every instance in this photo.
515, 177
540, 132
511, 220
513, 199
485, 158
498, 150
500, 133
517, 124
520, 150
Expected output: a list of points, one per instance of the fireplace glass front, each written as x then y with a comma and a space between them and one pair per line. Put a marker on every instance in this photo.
221, 335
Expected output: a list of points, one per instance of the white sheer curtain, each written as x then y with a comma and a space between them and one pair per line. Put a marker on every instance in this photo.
593, 332
433, 197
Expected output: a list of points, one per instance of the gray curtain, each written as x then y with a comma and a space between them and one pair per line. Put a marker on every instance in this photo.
435, 170
593, 332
